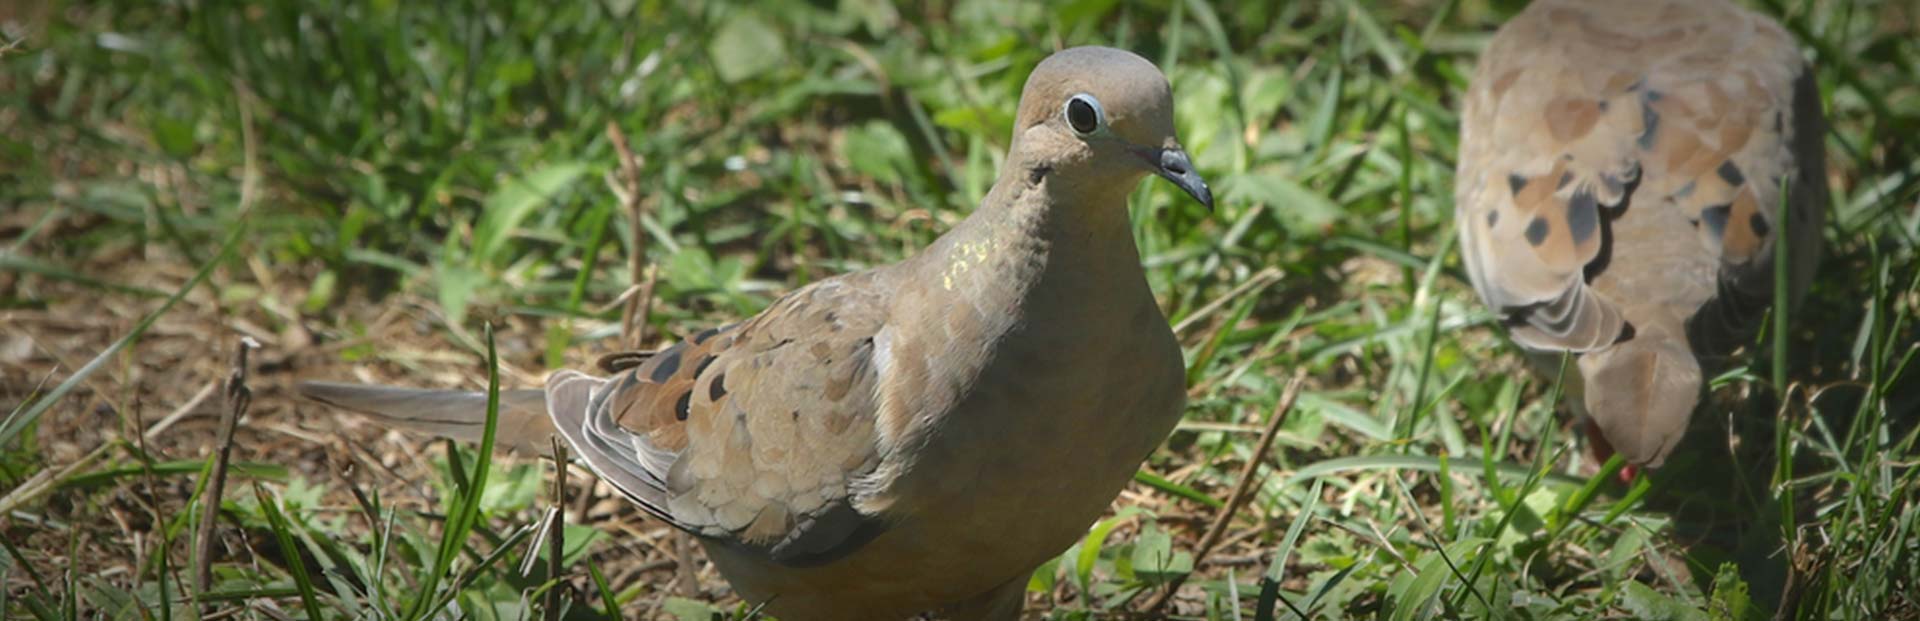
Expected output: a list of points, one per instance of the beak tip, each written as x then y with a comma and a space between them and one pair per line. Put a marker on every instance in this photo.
1177, 167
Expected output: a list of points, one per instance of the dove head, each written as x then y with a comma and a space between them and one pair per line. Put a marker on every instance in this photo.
1100, 118
1641, 393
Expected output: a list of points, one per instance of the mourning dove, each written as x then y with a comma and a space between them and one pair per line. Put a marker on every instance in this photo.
1620, 167
915, 437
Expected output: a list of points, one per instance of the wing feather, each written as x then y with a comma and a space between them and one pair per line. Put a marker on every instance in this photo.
1581, 111
750, 434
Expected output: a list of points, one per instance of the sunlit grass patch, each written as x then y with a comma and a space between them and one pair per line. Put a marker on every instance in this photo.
425, 170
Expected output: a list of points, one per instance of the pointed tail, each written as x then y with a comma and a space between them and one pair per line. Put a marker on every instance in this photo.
523, 424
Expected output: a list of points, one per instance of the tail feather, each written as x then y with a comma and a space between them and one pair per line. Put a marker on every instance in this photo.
523, 425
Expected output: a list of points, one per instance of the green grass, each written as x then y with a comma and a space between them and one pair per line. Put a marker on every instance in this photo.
453, 163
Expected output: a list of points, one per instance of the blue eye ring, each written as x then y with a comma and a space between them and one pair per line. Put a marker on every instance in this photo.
1084, 114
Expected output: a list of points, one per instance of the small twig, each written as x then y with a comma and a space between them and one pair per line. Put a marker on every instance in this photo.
685, 580
1371, 535
618, 301
1385, 543
344, 468
1242, 491
182, 411
1259, 281
556, 530
633, 321
642, 305
239, 397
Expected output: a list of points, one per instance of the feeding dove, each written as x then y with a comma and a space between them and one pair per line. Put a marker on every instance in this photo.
916, 437
1620, 170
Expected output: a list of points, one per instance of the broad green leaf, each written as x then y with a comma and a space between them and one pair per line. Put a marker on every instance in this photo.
975, 120
1044, 576
1087, 553
690, 610
320, 292
1155, 561
512, 74
746, 45
1729, 601
1301, 210
456, 285
514, 490
1077, 12
513, 201
1646, 604
580, 539
876, 149
174, 136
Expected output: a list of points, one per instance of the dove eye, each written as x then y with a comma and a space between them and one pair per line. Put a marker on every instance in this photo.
1084, 114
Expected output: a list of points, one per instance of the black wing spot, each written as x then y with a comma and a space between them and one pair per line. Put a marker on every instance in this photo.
1493, 217
683, 407
1565, 178
717, 389
1730, 173
1583, 217
705, 361
1516, 183
1759, 224
1649, 120
669, 364
704, 335
1716, 218
1537, 231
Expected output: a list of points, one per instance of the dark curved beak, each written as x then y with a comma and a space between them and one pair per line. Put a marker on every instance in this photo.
1178, 168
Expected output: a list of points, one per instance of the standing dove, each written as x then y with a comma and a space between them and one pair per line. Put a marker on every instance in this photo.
1620, 167
916, 437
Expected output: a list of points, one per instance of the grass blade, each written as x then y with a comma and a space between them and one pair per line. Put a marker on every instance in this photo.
464, 509
296, 560
15, 424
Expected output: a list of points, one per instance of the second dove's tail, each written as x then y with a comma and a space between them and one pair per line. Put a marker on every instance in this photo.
523, 424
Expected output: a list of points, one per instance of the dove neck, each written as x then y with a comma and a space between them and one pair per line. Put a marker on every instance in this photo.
1035, 227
